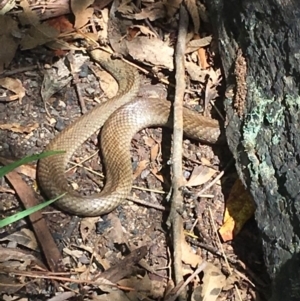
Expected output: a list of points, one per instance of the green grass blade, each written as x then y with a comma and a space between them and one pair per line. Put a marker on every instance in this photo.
24, 213
8, 168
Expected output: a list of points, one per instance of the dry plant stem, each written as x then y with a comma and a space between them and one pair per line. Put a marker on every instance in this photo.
200, 268
76, 84
18, 70
63, 296
175, 218
147, 204
223, 252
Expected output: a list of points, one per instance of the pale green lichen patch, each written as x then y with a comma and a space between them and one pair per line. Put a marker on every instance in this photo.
255, 131
268, 172
255, 119
293, 103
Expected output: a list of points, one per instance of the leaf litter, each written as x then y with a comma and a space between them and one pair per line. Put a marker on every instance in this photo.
152, 47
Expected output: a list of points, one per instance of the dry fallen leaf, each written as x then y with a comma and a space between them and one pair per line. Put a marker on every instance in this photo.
202, 57
152, 51
14, 85
172, 7
37, 35
87, 225
24, 237
116, 232
82, 11
141, 288
195, 72
141, 166
149, 141
152, 12
18, 128
200, 175
239, 209
192, 8
157, 174
9, 44
55, 78
61, 23
15, 259
211, 91
135, 30
27, 170
195, 44
212, 284
154, 152
188, 255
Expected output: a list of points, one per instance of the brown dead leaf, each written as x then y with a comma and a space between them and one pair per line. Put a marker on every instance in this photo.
195, 72
55, 78
205, 161
126, 8
61, 24
142, 165
97, 257
82, 11
154, 152
197, 43
25, 238
73, 253
136, 30
211, 91
27, 170
6, 190
193, 10
9, 44
116, 232
152, 12
14, 259
14, 85
172, 7
87, 225
239, 209
212, 284
156, 172
200, 175
37, 35
149, 141
152, 51
188, 255
28, 16
202, 57
18, 128
18, 258
141, 288
9, 285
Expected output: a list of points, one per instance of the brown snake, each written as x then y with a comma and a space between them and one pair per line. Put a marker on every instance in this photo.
123, 116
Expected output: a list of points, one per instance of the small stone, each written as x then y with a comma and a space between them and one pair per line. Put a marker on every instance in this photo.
60, 125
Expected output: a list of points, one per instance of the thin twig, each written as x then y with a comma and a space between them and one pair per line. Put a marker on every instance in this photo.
174, 218
200, 268
76, 83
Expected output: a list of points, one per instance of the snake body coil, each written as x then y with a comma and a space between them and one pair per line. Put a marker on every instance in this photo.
122, 116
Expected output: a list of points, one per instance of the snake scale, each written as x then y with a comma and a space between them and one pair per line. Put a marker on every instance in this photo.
121, 117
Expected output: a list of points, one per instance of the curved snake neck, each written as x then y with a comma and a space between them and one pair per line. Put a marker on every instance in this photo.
122, 116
